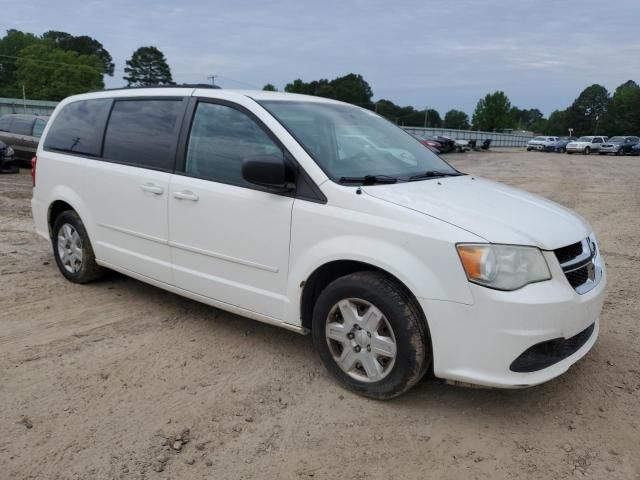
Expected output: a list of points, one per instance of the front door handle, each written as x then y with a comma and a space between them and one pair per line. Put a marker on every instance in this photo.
186, 195
150, 187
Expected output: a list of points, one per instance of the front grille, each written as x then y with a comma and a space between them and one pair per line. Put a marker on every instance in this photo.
578, 277
580, 264
545, 354
569, 252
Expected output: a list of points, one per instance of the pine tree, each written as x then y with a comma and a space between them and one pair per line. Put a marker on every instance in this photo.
147, 67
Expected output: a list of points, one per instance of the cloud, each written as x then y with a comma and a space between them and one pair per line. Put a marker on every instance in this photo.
443, 53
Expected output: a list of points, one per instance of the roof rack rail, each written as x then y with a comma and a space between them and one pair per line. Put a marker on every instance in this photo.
182, 85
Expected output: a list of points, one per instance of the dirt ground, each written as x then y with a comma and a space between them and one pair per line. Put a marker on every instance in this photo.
102, 381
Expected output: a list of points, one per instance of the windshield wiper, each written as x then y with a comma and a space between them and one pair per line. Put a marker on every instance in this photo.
369, 179
434, 174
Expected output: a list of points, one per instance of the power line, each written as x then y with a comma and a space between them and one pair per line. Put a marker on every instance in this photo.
120, 70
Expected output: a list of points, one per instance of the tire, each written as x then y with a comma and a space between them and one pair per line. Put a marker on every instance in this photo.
70, 237
587, 151
377, 311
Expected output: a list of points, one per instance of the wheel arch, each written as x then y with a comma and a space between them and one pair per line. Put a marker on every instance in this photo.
326, 273
62, 199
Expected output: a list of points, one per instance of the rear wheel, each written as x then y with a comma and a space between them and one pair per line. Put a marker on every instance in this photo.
72, 249
370, 334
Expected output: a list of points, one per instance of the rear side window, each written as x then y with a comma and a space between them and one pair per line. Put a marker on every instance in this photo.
38, 127
79, 126
143, 132
21, 126
221, 137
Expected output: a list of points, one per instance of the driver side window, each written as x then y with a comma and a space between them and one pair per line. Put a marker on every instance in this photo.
221, 138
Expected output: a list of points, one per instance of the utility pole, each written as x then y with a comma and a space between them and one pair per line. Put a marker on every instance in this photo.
24, 99
213, 79
426, 116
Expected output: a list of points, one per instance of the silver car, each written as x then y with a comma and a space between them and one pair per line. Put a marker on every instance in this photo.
542, 144
586, 145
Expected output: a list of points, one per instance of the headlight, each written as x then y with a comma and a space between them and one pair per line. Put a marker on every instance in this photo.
9, 152
503, 267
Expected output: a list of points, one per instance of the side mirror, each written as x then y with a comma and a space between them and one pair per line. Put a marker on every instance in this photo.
267, 171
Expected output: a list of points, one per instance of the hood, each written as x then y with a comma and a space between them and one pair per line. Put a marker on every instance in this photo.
580, 144
496, 212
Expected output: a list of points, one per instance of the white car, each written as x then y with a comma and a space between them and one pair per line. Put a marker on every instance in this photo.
542, 144
586, 145
246, 201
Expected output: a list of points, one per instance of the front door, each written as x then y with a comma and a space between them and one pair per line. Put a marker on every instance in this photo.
229, 239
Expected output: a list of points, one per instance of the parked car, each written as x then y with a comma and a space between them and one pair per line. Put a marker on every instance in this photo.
462, 146
22, 132
586, 145
541, 144
635, 150
430, 144
7, 159
619, 145
561, 144
448, 144
244, 201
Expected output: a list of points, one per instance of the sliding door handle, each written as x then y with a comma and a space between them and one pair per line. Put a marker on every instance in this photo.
150, 187
186, 195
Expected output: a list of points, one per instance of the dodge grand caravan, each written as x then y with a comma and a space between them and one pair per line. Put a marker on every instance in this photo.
261, 204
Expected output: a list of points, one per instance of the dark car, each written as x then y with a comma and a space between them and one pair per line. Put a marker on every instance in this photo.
22, 132
560, 146
619, 145
7, 159
635, 150
448, 144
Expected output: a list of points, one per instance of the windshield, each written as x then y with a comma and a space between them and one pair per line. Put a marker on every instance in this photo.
540, 139
584, 139
617, 140
348, 141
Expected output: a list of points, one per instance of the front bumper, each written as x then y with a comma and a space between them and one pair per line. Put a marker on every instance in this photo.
479, 343
610, 149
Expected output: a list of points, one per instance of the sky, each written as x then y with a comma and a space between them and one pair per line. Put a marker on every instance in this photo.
442, 54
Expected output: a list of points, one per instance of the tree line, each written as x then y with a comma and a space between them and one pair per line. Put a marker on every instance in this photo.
57, 64
594, 111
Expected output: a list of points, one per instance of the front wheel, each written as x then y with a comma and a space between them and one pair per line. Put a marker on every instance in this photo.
72, 249
587, 151
371, 335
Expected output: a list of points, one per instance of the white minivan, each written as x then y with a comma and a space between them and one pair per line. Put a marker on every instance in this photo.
262, 204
